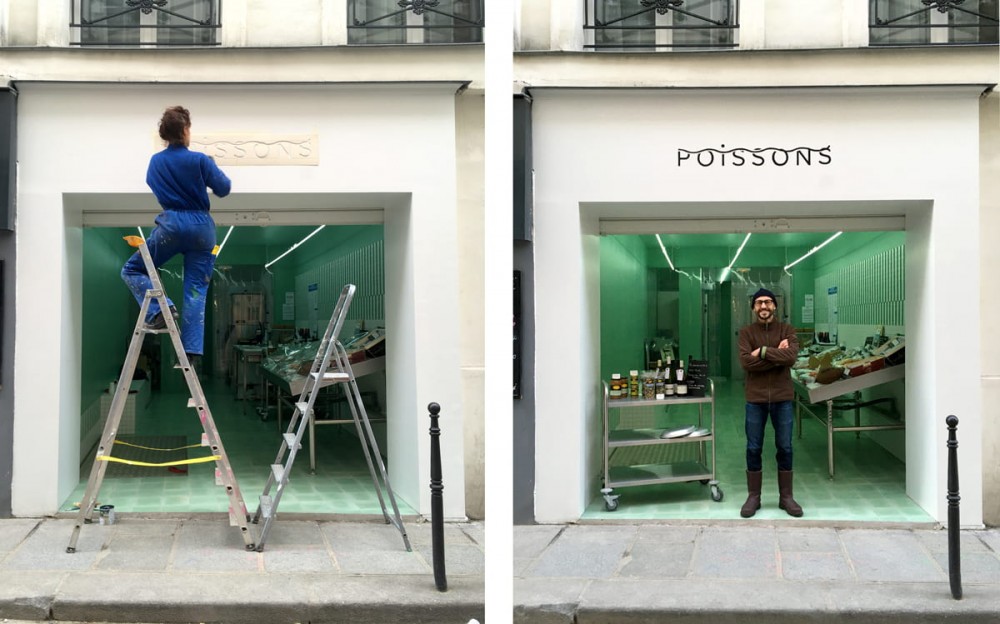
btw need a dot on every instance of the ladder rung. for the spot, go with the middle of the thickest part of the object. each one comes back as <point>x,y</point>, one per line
<point>278,470</point>
<point>191,403</point>
<point>266,506</point>
<point>329,376</point>
<point>303,407</point>
<point>289,439</point>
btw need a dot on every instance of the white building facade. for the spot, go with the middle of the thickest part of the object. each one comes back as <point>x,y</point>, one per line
<point>622,93</point>
<point>391,108</point>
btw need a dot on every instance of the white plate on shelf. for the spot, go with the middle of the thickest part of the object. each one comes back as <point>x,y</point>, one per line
<point>697,433</point>
<point>677,433</point>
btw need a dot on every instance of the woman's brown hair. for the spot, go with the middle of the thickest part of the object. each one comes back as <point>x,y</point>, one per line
<point>175,119</point>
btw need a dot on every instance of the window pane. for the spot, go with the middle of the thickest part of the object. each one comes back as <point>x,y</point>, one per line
<point>104,29</point>
<point>181,21</point>
<point>899,30</point>
<point>627,23</point>
<point>378,24</point>
<point>911,22</point>
<point>696,29</point>
<point>449,22</point>
<point>978,25</point>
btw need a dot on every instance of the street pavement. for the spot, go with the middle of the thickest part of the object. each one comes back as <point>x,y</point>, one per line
<point>197,570</point>
<point>772,572</point>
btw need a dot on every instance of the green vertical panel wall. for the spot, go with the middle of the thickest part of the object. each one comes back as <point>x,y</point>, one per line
<point>109,311</point>
<point>357,256</point>
<point>870,278</point>
<point>691,319</point>
<point>625,304</point>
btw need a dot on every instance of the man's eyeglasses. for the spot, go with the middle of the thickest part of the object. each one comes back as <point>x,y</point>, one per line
<point>763,302</point>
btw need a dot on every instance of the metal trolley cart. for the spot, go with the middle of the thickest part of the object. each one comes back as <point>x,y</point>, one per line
<point>700,469</point>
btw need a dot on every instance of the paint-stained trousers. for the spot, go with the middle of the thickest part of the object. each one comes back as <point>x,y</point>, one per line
<point>191,233</point>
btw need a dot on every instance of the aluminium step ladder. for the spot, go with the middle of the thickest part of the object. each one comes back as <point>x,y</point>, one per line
<point>331,366</point>
<point>224,475</point>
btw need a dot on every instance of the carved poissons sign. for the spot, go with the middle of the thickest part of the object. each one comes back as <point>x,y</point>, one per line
<point>257,149</point>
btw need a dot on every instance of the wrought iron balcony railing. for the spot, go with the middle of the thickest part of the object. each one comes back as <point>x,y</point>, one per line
<point>140,23</point>
<point>414,21</point>
<point>933,22</point>
<point>658,24</point>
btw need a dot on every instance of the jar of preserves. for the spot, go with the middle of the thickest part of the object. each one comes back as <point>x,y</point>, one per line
<point>648,385</point>
<point>616,387</point>
<point>633,384</point>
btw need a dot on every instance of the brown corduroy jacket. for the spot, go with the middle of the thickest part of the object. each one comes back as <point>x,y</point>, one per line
<point>768,379</point>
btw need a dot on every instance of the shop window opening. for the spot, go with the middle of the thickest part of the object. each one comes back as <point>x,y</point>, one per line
<point>682,299</point>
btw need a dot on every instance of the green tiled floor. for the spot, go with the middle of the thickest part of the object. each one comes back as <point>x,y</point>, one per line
<point>341,485</point>
<point>869,483</point>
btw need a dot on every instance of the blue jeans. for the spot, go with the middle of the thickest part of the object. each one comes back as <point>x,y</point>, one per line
<point>187,232</point>
<point>782,420</point>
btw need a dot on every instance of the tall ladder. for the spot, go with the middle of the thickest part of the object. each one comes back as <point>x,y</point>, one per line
<point>224,476</point>
<point>331,366</point>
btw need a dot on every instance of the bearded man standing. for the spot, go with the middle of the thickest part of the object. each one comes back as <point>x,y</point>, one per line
<point>768,349</point>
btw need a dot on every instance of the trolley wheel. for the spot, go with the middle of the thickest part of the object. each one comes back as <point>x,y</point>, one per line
<point>611,505</point>
<point>716,494</point>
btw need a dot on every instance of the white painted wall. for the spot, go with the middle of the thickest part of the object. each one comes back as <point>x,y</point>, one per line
<point>96,139</point>
<point>881,140</point>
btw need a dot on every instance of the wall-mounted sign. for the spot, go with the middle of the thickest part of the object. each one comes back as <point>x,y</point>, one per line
<point>256,149</point>
<point>754,157</point>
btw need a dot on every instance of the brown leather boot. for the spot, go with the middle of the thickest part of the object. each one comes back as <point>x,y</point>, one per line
<point>785,500</point>
<point>753,493</point>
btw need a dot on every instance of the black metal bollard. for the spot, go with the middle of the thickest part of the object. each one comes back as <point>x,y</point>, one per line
<point>954,543</point>
<point>437,501</point>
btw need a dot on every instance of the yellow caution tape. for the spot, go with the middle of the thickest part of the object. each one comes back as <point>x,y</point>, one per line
<point>130,462</point>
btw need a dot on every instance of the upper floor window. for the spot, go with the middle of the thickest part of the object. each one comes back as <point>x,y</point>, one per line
<point>651,24</point>
<point>414,21</point>
<point>146,22</point>
<point>932,22</point>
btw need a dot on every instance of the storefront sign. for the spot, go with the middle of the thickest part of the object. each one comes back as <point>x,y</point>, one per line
<point>257,149</point>
<point>755,157</point>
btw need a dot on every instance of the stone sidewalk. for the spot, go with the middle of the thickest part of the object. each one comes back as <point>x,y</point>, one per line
<point>197,570</point>
<point>750,572</point>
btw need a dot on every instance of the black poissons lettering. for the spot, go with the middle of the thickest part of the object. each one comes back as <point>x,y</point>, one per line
<point>790,157</point>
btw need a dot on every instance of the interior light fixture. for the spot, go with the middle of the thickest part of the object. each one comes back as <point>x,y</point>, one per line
<point>224,239</point>
<point>728,269</point>
<point>295,246</point>
<point>814,250</point>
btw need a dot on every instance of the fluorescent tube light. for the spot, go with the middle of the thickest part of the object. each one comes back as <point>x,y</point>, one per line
<point>665,254</point>
<point>814,250</point>
<point>728,269</point>
<point>295,246</point>
<point>224,239</point>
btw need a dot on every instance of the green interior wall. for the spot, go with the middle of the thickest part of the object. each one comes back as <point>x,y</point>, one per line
<point>108,314</point>
<point>869,270</point>
<point>336,243</point>
<point>691,320</point>
<point>625,304</point>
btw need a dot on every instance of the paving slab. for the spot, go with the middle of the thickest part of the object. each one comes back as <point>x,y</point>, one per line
<point>593,551</point>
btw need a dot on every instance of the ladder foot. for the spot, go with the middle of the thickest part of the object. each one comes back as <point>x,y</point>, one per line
<point>70,550</point>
